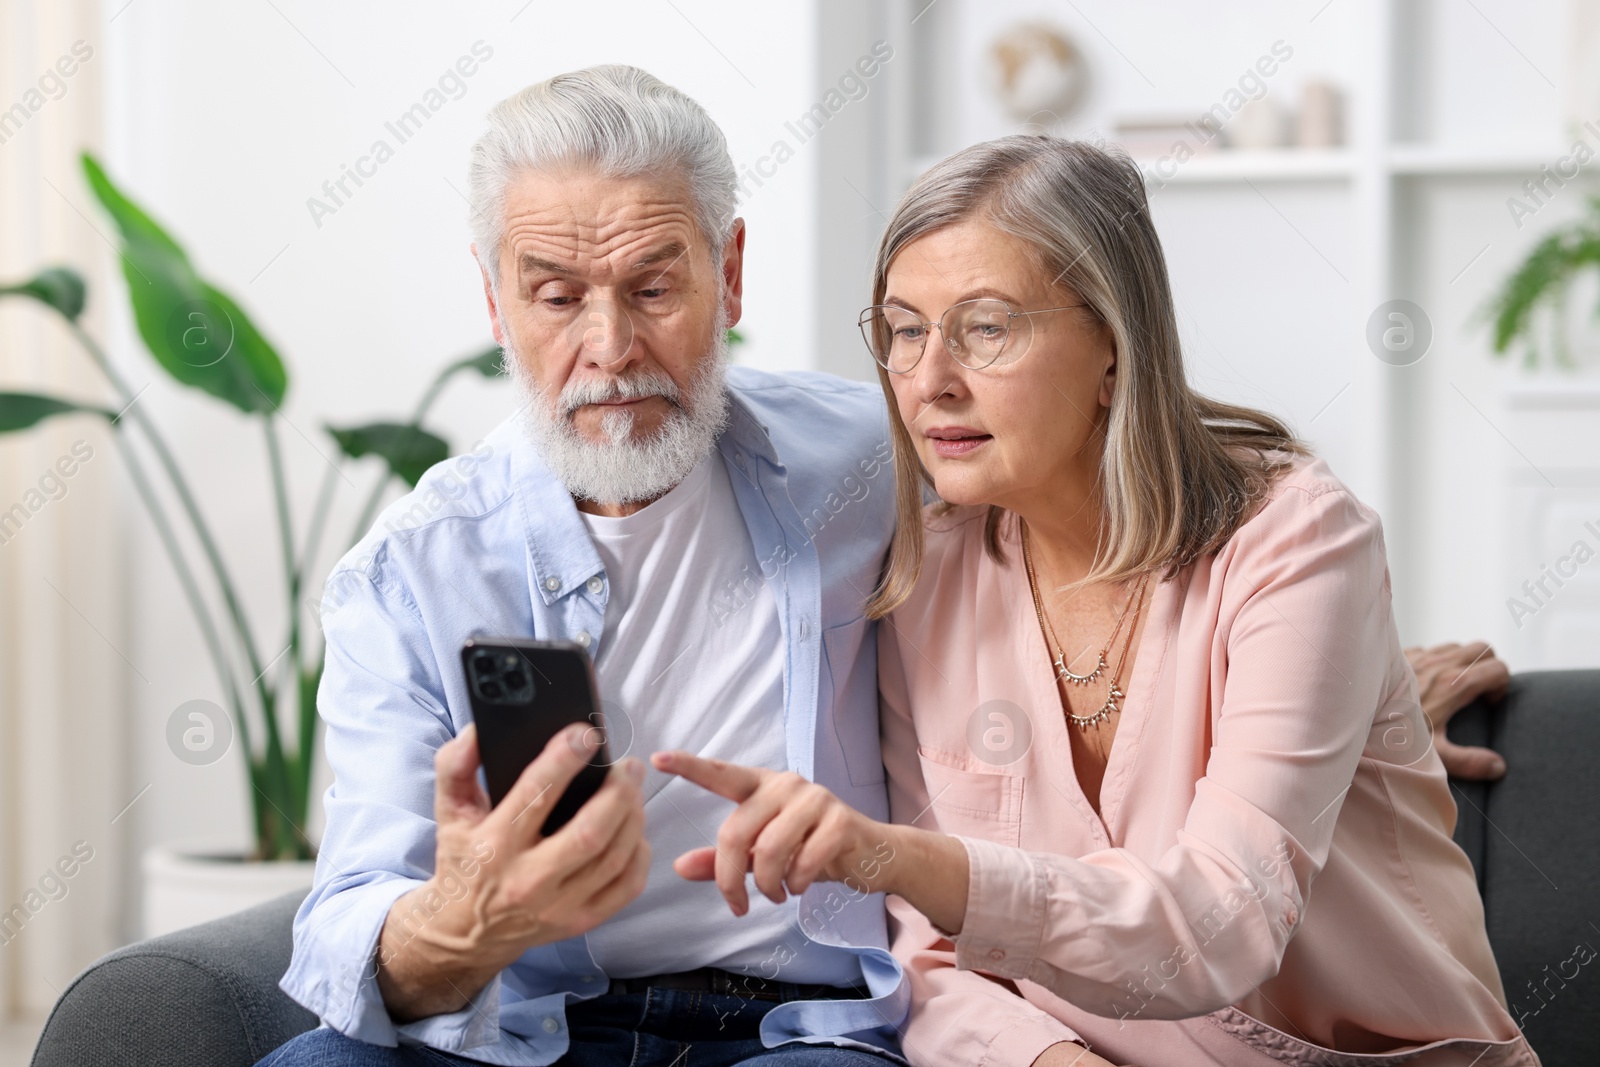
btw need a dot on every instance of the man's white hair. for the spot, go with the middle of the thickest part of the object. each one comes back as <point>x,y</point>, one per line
<point>617,119</point>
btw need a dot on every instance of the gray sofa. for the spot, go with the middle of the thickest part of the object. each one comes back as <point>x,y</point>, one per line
<point>209,996</point>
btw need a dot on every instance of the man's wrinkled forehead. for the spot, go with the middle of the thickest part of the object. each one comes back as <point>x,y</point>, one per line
<point>582,224</point>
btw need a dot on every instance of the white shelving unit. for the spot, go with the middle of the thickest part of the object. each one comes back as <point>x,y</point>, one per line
<point>1265,165</point>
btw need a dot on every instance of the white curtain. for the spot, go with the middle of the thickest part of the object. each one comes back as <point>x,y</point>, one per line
<point>64,684</point>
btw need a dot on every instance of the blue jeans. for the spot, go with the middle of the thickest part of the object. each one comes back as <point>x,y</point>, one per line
<point>658,1028</point>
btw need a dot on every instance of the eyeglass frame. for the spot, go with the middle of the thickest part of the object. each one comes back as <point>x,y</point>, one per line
<point>861,323</point>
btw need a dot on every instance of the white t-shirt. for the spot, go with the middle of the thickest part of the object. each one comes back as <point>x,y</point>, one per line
<point>693,658</point>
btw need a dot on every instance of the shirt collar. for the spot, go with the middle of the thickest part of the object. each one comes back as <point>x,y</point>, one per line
<point>746,432</point>
<point>562,555</point>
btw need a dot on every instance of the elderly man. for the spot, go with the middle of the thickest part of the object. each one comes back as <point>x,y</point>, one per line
<point>709,535</point>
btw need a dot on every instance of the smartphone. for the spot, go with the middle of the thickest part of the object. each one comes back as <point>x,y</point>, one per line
<point>523,693</point>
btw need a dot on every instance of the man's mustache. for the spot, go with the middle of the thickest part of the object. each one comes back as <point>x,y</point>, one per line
<point>636,386</point>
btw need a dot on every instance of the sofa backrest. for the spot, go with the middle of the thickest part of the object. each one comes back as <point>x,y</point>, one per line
<point>1534,840</point>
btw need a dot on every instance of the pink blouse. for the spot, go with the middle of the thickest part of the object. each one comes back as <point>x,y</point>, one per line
<point>1271,741</point>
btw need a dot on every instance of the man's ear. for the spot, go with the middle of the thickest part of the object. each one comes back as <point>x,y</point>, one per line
<point>488,295</point>
<point>733,272</point>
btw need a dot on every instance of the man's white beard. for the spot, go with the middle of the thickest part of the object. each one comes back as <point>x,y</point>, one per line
<point>622,470</point>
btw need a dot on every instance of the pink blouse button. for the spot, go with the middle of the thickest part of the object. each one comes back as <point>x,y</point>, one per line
<point>1291,916</point>
<point>997,954</point>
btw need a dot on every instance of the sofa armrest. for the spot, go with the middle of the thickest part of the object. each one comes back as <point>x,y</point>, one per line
<point>205,996</point>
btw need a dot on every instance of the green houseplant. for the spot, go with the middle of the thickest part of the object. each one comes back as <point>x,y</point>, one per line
<point>1529,309</point>
<point>203,339</point>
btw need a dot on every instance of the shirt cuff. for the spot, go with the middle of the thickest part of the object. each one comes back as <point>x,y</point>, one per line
<point>473,1026</point>
<point>1025,1041</point>
<point>1007,904</point>
<point>334,974</point>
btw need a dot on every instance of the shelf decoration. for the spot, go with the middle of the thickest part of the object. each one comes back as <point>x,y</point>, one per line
<point>1038,73</point>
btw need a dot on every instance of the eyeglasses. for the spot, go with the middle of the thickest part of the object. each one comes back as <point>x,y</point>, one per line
<point>977,334</point>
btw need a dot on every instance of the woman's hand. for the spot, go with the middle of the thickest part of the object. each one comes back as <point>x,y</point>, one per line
<point>788,831</point>
<point>1449,677</point>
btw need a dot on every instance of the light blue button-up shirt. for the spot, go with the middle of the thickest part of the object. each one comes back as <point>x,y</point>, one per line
<point>490,544</point>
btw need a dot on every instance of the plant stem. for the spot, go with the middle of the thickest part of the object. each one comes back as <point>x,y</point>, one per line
<point>274,755</point>
<point>274,762</point>
<point>319,522</point>
<point>186,498</point>
<point>291,572</point>
<point>191,588</point>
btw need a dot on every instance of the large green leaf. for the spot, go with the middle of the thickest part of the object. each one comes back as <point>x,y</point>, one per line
<point>60,287</point>
<point>197,333</point>
<point>268,372</point>
<point>409,450</point>
<point>19,411</point>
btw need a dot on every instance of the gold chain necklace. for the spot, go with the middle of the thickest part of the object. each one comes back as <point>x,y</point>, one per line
<point>1114,693</point>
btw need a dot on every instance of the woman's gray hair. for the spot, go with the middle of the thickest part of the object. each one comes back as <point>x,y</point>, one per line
<point>620,121</point>
<point>1179,471</point>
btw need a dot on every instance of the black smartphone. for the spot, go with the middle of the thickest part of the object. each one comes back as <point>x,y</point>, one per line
<point>523,693</point>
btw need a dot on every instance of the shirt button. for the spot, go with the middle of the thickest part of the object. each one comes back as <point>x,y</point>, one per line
<point>552,584</point>
<point>584,638</point>
<point>1291,916</point>
<point>550,1025</point>
<point>595,585</point>
<point>804,630</point>
<point>588,978</point>
<point>738,459</point>
<point>997,954</point>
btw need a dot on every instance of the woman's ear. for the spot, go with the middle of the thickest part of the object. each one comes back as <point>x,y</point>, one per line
<point>1108,380</point>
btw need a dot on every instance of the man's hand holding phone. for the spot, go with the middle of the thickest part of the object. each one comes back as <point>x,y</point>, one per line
<point>499,887</point>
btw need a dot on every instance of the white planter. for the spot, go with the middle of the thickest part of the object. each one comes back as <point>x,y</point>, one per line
<point>185,884</point>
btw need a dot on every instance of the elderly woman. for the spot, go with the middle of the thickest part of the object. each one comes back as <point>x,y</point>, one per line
<point>1141,684</point>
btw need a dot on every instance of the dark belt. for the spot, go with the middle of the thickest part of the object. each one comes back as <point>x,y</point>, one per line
<point>726,983</point>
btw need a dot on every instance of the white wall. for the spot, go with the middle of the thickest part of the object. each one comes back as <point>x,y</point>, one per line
<point>224,119</point>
